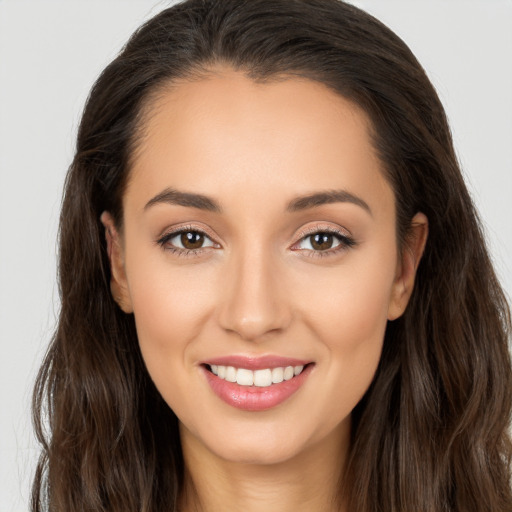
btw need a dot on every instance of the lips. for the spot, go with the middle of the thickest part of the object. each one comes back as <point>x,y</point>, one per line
<point>255,384</point>
<point>262,378</point>
<point>256,363</point>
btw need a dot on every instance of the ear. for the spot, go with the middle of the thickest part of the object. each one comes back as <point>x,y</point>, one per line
<point>118,281</point>
<point>407,266</point>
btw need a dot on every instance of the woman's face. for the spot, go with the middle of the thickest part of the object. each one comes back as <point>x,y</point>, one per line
<point>259,235</point>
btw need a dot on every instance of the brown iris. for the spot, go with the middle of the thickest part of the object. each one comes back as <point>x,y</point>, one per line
<point>192,240</point>
<point>322,241</point>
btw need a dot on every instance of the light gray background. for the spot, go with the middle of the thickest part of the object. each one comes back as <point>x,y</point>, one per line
<point>50,54</point>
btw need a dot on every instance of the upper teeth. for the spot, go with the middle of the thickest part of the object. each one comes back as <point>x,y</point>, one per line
<point>261,378</point>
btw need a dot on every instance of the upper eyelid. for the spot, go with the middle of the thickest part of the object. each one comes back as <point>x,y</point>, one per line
<point>163,241</point>
<point>174,231</point>
<point>344,236</point>
<point>302,233</point>
<point>322,229</point>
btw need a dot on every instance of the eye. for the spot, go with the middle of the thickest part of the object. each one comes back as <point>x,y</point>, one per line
<point>186,240</point>
<point>319,242</point>
<point>324,241</point>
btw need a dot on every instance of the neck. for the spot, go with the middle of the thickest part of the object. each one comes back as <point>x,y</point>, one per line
<point>309,481</point>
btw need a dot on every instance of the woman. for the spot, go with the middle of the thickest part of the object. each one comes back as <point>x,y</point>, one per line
<point>275,291</point>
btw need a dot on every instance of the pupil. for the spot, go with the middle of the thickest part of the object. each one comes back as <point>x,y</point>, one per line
<point>192,240</point>
<point>322,241</point>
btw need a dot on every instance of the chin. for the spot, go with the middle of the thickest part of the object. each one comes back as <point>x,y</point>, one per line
<point>257,442</point>
<point>256,454</point>
<point>252,442</point>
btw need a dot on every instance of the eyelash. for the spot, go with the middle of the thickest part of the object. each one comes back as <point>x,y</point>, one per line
<point>345,242</point>
<point>163,241</point>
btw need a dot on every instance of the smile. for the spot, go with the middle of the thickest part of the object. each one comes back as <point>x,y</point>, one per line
<point>260,378</point>
<point>256,384</point>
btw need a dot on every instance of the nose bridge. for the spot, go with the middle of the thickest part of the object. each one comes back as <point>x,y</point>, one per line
<point>254,299</point>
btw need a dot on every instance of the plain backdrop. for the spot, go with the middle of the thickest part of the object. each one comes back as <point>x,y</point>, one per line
<point>50,54</point>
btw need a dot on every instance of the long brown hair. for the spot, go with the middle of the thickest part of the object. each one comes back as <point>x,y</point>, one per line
<point>431,432</point>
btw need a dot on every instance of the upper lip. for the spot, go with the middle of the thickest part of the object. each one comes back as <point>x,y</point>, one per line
<point>256,362</point>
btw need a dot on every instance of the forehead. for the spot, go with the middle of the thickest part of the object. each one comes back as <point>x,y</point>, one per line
<point>224,131</point>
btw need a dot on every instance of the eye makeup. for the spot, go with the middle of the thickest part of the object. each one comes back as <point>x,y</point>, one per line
<point>187,241</point>
<point>317,241</point>
<point>323,241</point>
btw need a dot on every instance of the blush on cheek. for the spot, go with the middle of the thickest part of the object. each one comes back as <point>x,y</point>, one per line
<point>353,313</point>
<point>352,324</point>
<point>171,301</point>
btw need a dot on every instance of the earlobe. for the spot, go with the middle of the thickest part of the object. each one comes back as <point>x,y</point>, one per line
<point>407,266</point>
<point>118,282</point>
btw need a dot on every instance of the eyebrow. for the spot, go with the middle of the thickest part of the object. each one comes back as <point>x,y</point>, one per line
<point>327,197</point>
<point>172,196</point>
<point>202,202</point>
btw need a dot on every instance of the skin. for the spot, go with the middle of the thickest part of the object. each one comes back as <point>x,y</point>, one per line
<point>259,287</point>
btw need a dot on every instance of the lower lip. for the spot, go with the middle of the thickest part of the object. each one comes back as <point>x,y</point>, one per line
<point>254,398</point>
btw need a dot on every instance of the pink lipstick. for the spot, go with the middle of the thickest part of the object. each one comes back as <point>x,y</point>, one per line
<point>255,383</point>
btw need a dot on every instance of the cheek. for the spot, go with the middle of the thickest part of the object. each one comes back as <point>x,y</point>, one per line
<point>350,306</point>
<point>171,305</point>
<point>171,309</point>
<point>348,314</point>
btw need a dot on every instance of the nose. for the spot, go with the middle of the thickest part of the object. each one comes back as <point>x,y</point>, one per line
<point>254,300</point>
